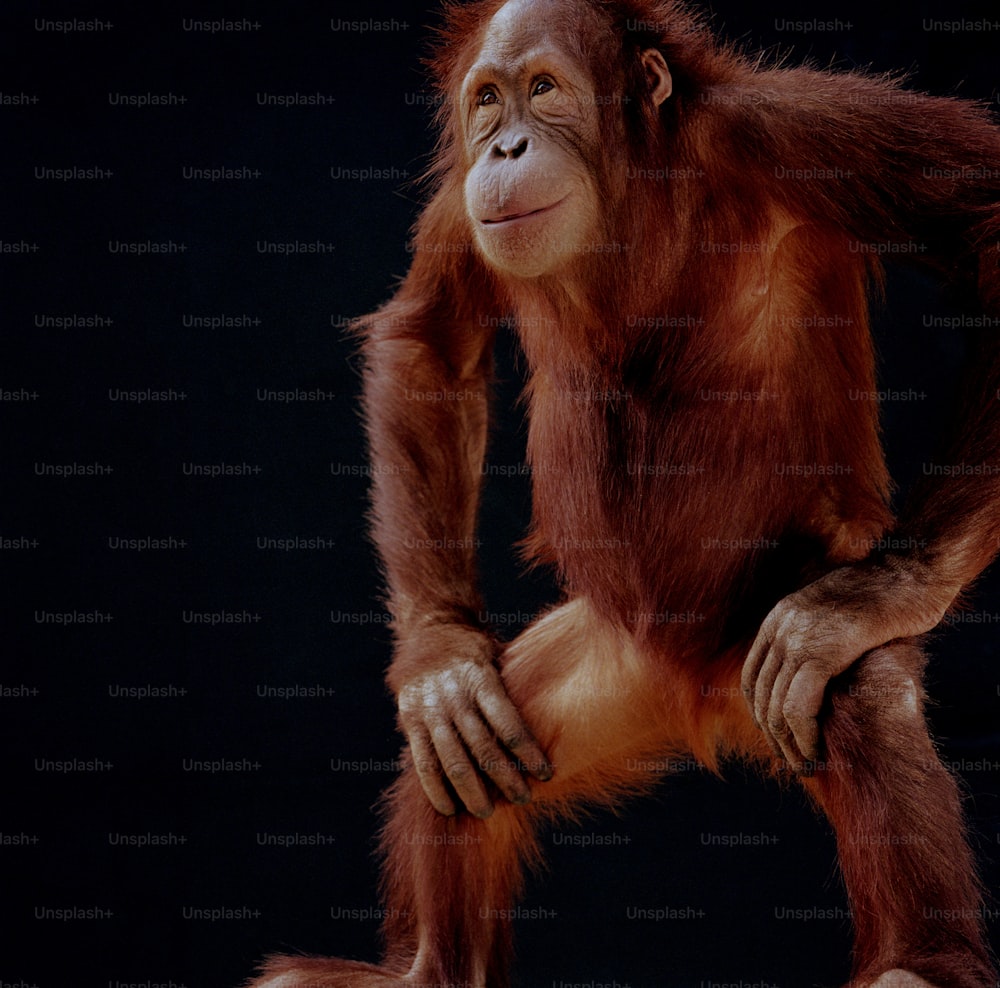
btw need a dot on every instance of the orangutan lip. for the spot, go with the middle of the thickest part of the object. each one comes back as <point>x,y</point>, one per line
<point>521,216</point>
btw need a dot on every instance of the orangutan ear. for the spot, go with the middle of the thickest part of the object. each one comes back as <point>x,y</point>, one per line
<point>661,85</point>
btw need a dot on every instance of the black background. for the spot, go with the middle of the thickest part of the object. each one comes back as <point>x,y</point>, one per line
<point>62,845</point>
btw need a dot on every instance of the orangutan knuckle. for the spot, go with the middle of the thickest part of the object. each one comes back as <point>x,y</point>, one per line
<point>459,772</point>
<point>467,678</point>
<point>514,739</point>
<point>776,620</point>
<point>409,702</point>
<point>799,647</point>
<point>777,725</point>
<point>484,753</point>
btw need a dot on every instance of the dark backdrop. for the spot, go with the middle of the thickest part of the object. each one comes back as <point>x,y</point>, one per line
<point>194,726</point>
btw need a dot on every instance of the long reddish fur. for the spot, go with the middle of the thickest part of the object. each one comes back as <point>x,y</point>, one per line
<point>730,122</point>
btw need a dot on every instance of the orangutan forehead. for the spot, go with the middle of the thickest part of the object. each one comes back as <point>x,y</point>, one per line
<point>521,24</point>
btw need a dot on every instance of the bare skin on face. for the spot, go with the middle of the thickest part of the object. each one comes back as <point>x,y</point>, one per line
<point>530,109</point>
